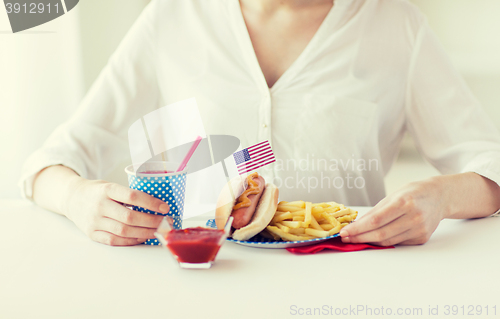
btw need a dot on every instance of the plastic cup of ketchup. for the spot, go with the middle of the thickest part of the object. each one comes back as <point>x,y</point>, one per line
<point>195,247</point>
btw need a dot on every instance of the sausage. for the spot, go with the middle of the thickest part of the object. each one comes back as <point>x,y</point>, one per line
<point>242,216</point>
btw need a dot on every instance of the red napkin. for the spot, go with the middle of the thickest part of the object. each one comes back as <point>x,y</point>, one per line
<point>333,244</point>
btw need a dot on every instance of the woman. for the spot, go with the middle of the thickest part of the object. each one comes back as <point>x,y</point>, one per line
<point>326,82</point>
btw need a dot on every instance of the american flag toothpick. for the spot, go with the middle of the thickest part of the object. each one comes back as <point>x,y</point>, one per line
<point>254,157</point>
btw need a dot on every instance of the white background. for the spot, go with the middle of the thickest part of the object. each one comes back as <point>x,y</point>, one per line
<point>45,72</point>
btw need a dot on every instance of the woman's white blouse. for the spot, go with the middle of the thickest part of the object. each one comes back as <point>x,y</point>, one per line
<point>335,119</point>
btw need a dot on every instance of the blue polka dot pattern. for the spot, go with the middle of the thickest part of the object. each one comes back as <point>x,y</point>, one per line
<point>170,189</point>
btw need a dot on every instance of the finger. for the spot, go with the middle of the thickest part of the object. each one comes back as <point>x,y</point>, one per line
<point>415,241</point>
<point>420,235</point>
<point>106,238</point>
<point>376,218</point>
<point>130,217</point>
<point>394,240</point>
<point>116,228</point>
<point>130,196</point>
<point>394,228</point>
<point>409,237</point>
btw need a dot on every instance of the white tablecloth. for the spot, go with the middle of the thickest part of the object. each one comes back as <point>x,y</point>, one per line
<point>49,269</point>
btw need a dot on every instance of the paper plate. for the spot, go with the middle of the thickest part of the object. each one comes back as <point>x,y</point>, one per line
<point>262,242</point>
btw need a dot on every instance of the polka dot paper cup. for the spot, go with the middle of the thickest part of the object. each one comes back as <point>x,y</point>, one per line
<point>160,180</point>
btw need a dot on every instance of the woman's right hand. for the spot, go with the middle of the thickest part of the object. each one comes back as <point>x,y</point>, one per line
<point>96,208</point>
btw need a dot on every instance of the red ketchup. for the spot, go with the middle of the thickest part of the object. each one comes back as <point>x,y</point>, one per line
<point>194,245</point>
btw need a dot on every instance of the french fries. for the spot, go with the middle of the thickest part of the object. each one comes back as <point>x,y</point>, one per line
<point>308,214</point>
<point>267,234</point>
<point>316,233</point>
<point>280,217</point>
<point>292,224</point>
<point>284,235</point>
<point>300,220</point>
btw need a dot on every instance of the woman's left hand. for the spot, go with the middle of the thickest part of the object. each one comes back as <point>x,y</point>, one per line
<point>410,215</point>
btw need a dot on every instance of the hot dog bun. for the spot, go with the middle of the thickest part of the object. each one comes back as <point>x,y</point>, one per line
<point>226,200</point>
<point>264,212</point>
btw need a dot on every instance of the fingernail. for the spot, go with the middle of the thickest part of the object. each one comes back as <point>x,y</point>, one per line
<point>346,240</point>
<point>164,208</point>
<point>344,233</point>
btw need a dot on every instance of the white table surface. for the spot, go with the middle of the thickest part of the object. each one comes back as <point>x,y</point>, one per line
<point>49,269</point>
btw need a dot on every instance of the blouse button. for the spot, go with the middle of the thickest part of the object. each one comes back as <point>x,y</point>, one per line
<point>264,125</point>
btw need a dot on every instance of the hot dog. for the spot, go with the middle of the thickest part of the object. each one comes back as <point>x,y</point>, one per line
<point>246,204</point>
<point>252,207</point>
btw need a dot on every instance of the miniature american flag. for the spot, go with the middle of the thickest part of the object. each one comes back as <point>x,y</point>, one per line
<point>254,157</point>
